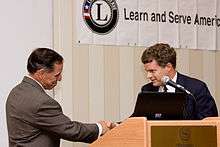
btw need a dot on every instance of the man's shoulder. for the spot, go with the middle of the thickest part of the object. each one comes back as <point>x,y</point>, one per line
<point>188,81</point>
<point>28,94</point>
<point>188,78</point>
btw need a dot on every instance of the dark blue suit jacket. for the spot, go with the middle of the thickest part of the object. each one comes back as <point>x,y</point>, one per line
<point>202,106</point>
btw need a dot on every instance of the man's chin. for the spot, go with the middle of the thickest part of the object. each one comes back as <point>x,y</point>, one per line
<point>156,84</point>
<point>50,87</point>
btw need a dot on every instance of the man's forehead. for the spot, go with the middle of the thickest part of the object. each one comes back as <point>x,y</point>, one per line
<point>152,63</point>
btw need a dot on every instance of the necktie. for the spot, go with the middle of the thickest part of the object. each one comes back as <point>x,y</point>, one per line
<point>165,88</point>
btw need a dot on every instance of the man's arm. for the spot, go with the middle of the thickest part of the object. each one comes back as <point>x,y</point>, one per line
<point>50,118</point>
<point>205,103</point>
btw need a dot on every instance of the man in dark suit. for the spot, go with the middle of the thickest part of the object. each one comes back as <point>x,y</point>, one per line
<point>34,119</point>
<point>160,60</point>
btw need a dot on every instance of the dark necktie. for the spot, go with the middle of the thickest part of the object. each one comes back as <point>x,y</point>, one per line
<point>165,88</point>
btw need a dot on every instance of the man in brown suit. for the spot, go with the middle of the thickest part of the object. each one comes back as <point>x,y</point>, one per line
<point>34,119</point>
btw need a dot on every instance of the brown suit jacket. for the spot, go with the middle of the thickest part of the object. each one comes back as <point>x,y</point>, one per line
<point>34,119</point>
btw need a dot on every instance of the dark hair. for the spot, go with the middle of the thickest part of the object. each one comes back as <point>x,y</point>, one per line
<point>160,52</point>
<point>43,58</point>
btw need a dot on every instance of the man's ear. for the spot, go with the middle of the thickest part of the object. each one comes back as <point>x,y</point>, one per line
<point>169,67</point>
<point>39,73</point>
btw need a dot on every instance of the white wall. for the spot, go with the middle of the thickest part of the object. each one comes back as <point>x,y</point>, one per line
<point>24,25</point>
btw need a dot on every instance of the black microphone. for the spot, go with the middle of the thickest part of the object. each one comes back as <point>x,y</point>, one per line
<point>167,81</point>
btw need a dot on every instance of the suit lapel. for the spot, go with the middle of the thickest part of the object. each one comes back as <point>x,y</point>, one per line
<point>153,88</point>
<point>179,81</point>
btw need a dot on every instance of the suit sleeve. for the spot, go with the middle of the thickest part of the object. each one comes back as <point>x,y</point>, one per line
<point>50,118</point>
<point>205,106</point>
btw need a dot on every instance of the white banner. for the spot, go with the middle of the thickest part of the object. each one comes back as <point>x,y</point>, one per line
<point>191,24</point>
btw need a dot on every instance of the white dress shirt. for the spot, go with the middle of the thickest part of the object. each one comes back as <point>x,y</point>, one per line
<point>169,88</point>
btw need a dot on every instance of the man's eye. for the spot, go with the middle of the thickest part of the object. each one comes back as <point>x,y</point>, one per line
<point>151,71</point>
<point>57,75</point>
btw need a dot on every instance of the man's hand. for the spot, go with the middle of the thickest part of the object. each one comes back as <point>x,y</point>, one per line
<point>106,126</point>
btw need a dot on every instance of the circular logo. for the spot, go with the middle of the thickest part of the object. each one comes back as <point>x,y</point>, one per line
<point>185,134</point>
<point>101,16</point>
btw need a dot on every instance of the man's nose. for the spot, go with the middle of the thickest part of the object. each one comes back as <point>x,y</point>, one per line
<point>149,75</point>
<point>59,78</point>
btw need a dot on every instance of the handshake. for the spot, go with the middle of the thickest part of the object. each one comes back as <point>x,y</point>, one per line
<point>106,126</point>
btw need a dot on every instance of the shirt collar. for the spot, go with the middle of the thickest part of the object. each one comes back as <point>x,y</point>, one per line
<point>175,78</point>
<point>169,88</point>
<point>36,81</point>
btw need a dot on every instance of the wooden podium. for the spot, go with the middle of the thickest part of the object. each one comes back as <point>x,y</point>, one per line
<point>138,132</point>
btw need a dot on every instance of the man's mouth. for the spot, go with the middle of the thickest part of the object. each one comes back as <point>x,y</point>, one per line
<point>153,81</point>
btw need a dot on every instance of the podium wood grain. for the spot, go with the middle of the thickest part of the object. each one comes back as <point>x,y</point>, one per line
<point>136,132</point>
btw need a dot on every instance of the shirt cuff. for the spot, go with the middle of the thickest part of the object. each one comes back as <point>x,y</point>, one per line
<point>100,128</point>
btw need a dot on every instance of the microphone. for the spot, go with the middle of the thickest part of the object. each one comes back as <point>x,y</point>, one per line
<point>167,81</point>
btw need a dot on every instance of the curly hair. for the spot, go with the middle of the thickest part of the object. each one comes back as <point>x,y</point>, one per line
<point>160,52</point>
